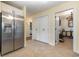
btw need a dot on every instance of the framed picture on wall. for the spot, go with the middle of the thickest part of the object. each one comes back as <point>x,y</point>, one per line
<point>70,20</point>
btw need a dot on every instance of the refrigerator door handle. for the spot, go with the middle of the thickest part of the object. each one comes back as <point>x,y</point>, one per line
<point>15,26</point>
<point>3,26</point>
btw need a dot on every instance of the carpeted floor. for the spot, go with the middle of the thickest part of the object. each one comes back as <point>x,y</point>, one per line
<point>39,49</point>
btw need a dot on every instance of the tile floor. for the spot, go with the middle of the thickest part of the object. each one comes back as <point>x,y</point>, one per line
<point>39,49</point>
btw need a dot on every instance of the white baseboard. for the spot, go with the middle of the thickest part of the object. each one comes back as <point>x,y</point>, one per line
<point>51,44</point>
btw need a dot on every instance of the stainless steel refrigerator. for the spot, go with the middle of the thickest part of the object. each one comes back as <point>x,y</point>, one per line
<point>11,32</point>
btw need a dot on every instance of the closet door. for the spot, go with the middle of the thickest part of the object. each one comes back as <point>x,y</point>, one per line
<point>44,29</point>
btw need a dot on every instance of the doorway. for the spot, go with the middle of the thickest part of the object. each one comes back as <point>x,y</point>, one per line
<point>31,30</point>
<point>64,28</point>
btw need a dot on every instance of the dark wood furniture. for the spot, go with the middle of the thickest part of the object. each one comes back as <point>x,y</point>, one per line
<point>67,34</point>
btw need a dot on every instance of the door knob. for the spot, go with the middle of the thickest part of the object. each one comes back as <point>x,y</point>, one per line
<point>43,29</point>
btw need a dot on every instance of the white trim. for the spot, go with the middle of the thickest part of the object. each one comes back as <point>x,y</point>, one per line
<point>51,44</point>
<point>74,32</point>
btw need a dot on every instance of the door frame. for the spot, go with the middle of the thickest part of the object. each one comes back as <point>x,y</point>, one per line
<point>74,28</point>
<point>56,31</point>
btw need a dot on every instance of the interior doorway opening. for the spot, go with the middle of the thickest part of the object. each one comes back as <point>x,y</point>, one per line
<point>31,30</point>
<point>64,28</point>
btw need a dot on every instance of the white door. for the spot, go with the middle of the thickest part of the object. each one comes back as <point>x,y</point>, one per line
<point>57,29</point>
<point>44,29</point>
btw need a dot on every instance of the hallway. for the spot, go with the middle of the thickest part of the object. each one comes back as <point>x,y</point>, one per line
<point>38,49</point>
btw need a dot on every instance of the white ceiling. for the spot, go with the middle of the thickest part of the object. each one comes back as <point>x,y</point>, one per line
<point>34,6</point>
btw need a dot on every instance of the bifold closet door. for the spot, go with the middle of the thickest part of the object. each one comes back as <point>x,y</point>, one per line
<point>43,29</point>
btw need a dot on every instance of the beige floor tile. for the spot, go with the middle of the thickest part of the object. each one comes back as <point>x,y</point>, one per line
<point>39,49</point>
